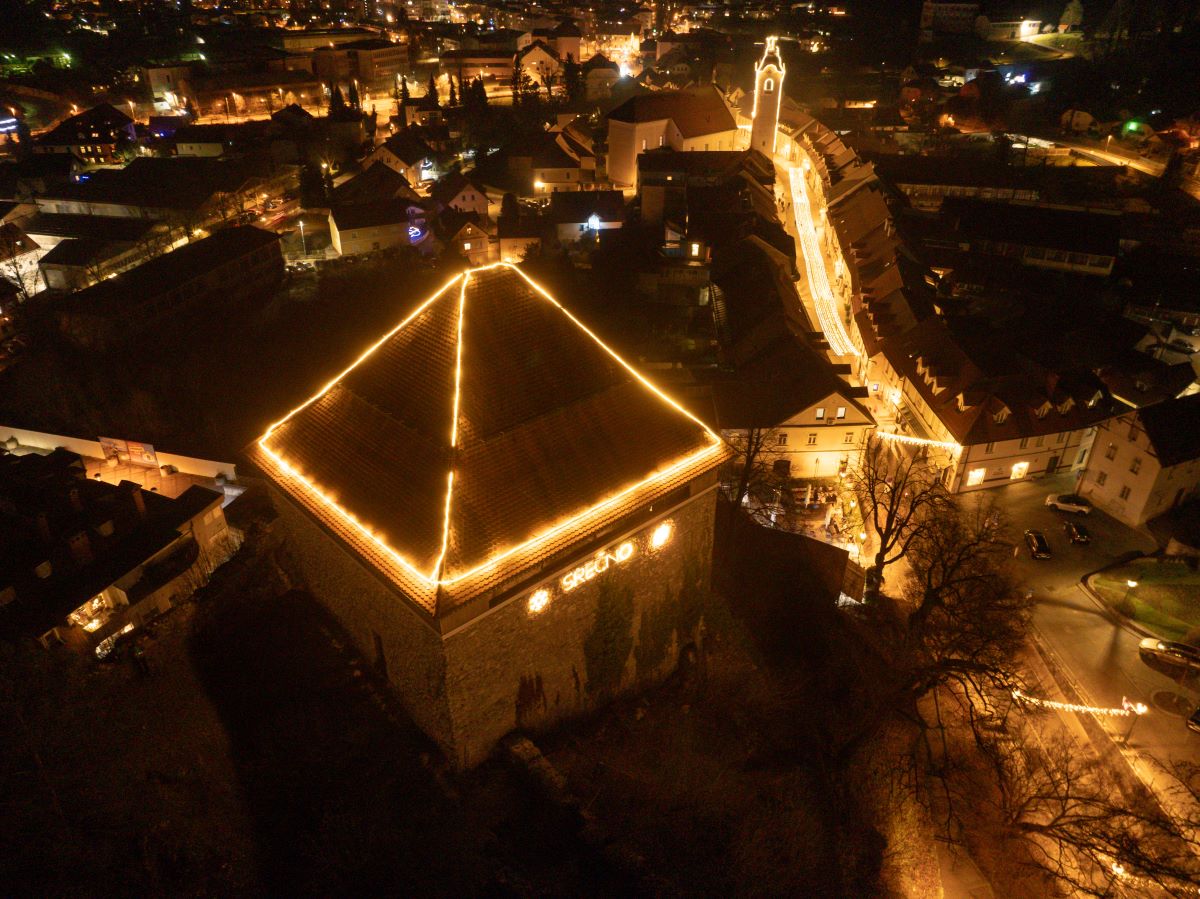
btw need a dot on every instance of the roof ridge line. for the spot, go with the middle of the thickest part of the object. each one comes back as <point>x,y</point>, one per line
<point>438,566</point>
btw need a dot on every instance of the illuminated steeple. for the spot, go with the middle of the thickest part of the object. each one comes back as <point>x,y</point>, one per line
<point>768,93</point>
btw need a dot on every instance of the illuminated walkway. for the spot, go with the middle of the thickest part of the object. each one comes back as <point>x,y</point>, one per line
<point>823,297</point>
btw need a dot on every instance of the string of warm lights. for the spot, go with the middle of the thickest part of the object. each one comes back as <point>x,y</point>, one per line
<point>818,279</point>
<point>432,578</point>
<point>1125,876</point>
<point>918,441</point>
<point>1130,708</point>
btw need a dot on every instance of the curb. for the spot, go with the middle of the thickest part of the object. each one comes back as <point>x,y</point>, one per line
<point>1111,613</point>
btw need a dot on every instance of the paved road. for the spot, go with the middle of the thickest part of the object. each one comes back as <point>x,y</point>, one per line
<point>1099,652</point>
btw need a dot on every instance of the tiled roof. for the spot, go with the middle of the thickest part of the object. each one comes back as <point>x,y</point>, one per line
<point>695,112</point>
<point>484,433</point>
<point>1167,425</point>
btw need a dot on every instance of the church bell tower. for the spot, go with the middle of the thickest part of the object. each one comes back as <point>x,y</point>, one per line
<point>768,94</point>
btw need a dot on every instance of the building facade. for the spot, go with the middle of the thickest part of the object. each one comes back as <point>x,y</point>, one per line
<point>768,94</point>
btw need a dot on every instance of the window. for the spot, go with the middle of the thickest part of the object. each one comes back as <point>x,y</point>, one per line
<point>812,439</point>
<point>660,140</point>
<point>820,413</point>
<point>1060,438</point>
<point>989,448</point>
<point>1124,494</point>
<point>643,143</point>
<point>781,439</point>
<point>1101,477</point>
<point>1024,442</point>
<point>1110,452</point>
<point>1135,466</point>
<point>1041,441</point>
<point>769,86</point>
<point>695,249</point>
<point>975,476</point>
<point>841,411</point>
<point>466,245</point>
<point>849,437</point>
<point>1019,471</point>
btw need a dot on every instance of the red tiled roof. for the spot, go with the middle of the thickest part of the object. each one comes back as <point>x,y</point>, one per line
<point>549,437</point>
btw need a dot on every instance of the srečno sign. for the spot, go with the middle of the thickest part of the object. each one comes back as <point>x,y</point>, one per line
<point>598,565</point>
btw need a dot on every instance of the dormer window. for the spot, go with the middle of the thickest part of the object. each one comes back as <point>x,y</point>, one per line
<point>1001,415</point>
<point>1043,410</point>
<point>1094,400</point>
<point>1066,406</point>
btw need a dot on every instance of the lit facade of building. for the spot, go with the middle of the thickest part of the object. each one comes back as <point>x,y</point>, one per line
<point>509,521</point>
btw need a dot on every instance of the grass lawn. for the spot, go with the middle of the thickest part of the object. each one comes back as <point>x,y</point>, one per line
<point>1166,599</point>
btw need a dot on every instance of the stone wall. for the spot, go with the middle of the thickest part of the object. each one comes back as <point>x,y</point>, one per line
<point>412,649</point>
<point>621,629</point>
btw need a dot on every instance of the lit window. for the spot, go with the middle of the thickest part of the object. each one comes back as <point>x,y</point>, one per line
<point>1135,466</point>
<point>875,387</point>
<point>1124,494</point>
<point>975,476</point>
<point>769,86</point>
<point>1019,471</point>
<point>695,249</point>
<point>1101,477</point>
<point>812,439</point>
<point>841,411</point>
<point>466,245</point>
<point>820,413</point>
<point>643,143</point>
<point>781,439</point>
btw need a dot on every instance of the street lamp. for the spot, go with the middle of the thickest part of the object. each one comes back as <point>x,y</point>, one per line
<point>303,245</point>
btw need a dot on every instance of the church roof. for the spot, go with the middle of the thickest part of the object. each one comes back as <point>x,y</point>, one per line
<point>487,432</point>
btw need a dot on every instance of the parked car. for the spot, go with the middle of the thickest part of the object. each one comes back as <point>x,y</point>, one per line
<point>1193,722</point>
<point>1177,655</point>
<point>1069,502</point>
<point>1076,532</point>
<point>1039,546</point>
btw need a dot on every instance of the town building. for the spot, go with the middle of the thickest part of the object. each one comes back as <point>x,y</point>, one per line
<point>173,292</point>
<point>365,227</point>
<point>490,501</point>
<point>1146,462</point>
<point>579,215</point>
<point>85,561</point>
<point>406,154</point>
<point>599,74</point>
<point>460,192</point>
<point>693,119</point>
<point>96,136</point>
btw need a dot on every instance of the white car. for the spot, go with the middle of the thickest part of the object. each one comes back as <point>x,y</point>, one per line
<point>1069,502</point>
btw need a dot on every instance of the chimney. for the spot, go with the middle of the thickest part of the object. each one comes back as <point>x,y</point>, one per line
<point>80,546</point>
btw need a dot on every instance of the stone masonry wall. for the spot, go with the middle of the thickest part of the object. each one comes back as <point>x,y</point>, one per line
<point>365,607</point>
<point>621,629</point>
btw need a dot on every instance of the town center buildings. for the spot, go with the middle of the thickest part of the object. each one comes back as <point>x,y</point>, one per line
<point>505,516</point>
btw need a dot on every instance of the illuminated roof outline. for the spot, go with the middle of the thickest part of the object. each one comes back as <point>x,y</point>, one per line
<point>517,466</point>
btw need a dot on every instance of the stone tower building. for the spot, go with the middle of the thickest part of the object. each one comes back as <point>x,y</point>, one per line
<point>768,94</point>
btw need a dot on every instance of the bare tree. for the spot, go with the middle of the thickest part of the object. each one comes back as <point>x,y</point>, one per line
<point>17,265</point>
<point>898,493</point>
<point>753,470</point>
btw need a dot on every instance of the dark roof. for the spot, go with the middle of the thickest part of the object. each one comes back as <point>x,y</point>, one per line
<point>567,28</point>
<point>82,251</point>
<point>548,424</point>
<point>1096,233</point>
<point>1174,429</point>
<point>379,182</point>
<point>695,112</point>
<point>371,44</point>
<point>571,206</point>
<point>166,271</point>
<point>706,165</point>
<point>450,186</point>
<point>100,227</point>
<point>161,183</point>
<point>103,119</point>
<point>600,61</point>
<point>408,148</point>
<point>370,215</point>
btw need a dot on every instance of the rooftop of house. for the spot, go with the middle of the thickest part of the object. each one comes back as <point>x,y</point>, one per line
<point>378,182</point>
<point>46,501</point>
<point>448,187</point>
<point>377,214</point>
<point>82,251</point>
<point>167,271</point>
<point>487,432</point>
<point>103,120</point>
<point>695,111</point>
<point>1173,427</point>
<point>69,225</point>
<point>571,206</point>
<point>408,148</point>
<point>704,165</point>
<point>1096,233</point>
<point>185,183</point>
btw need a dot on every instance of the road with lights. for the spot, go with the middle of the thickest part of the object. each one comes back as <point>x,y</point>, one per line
<point>824,300</point>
